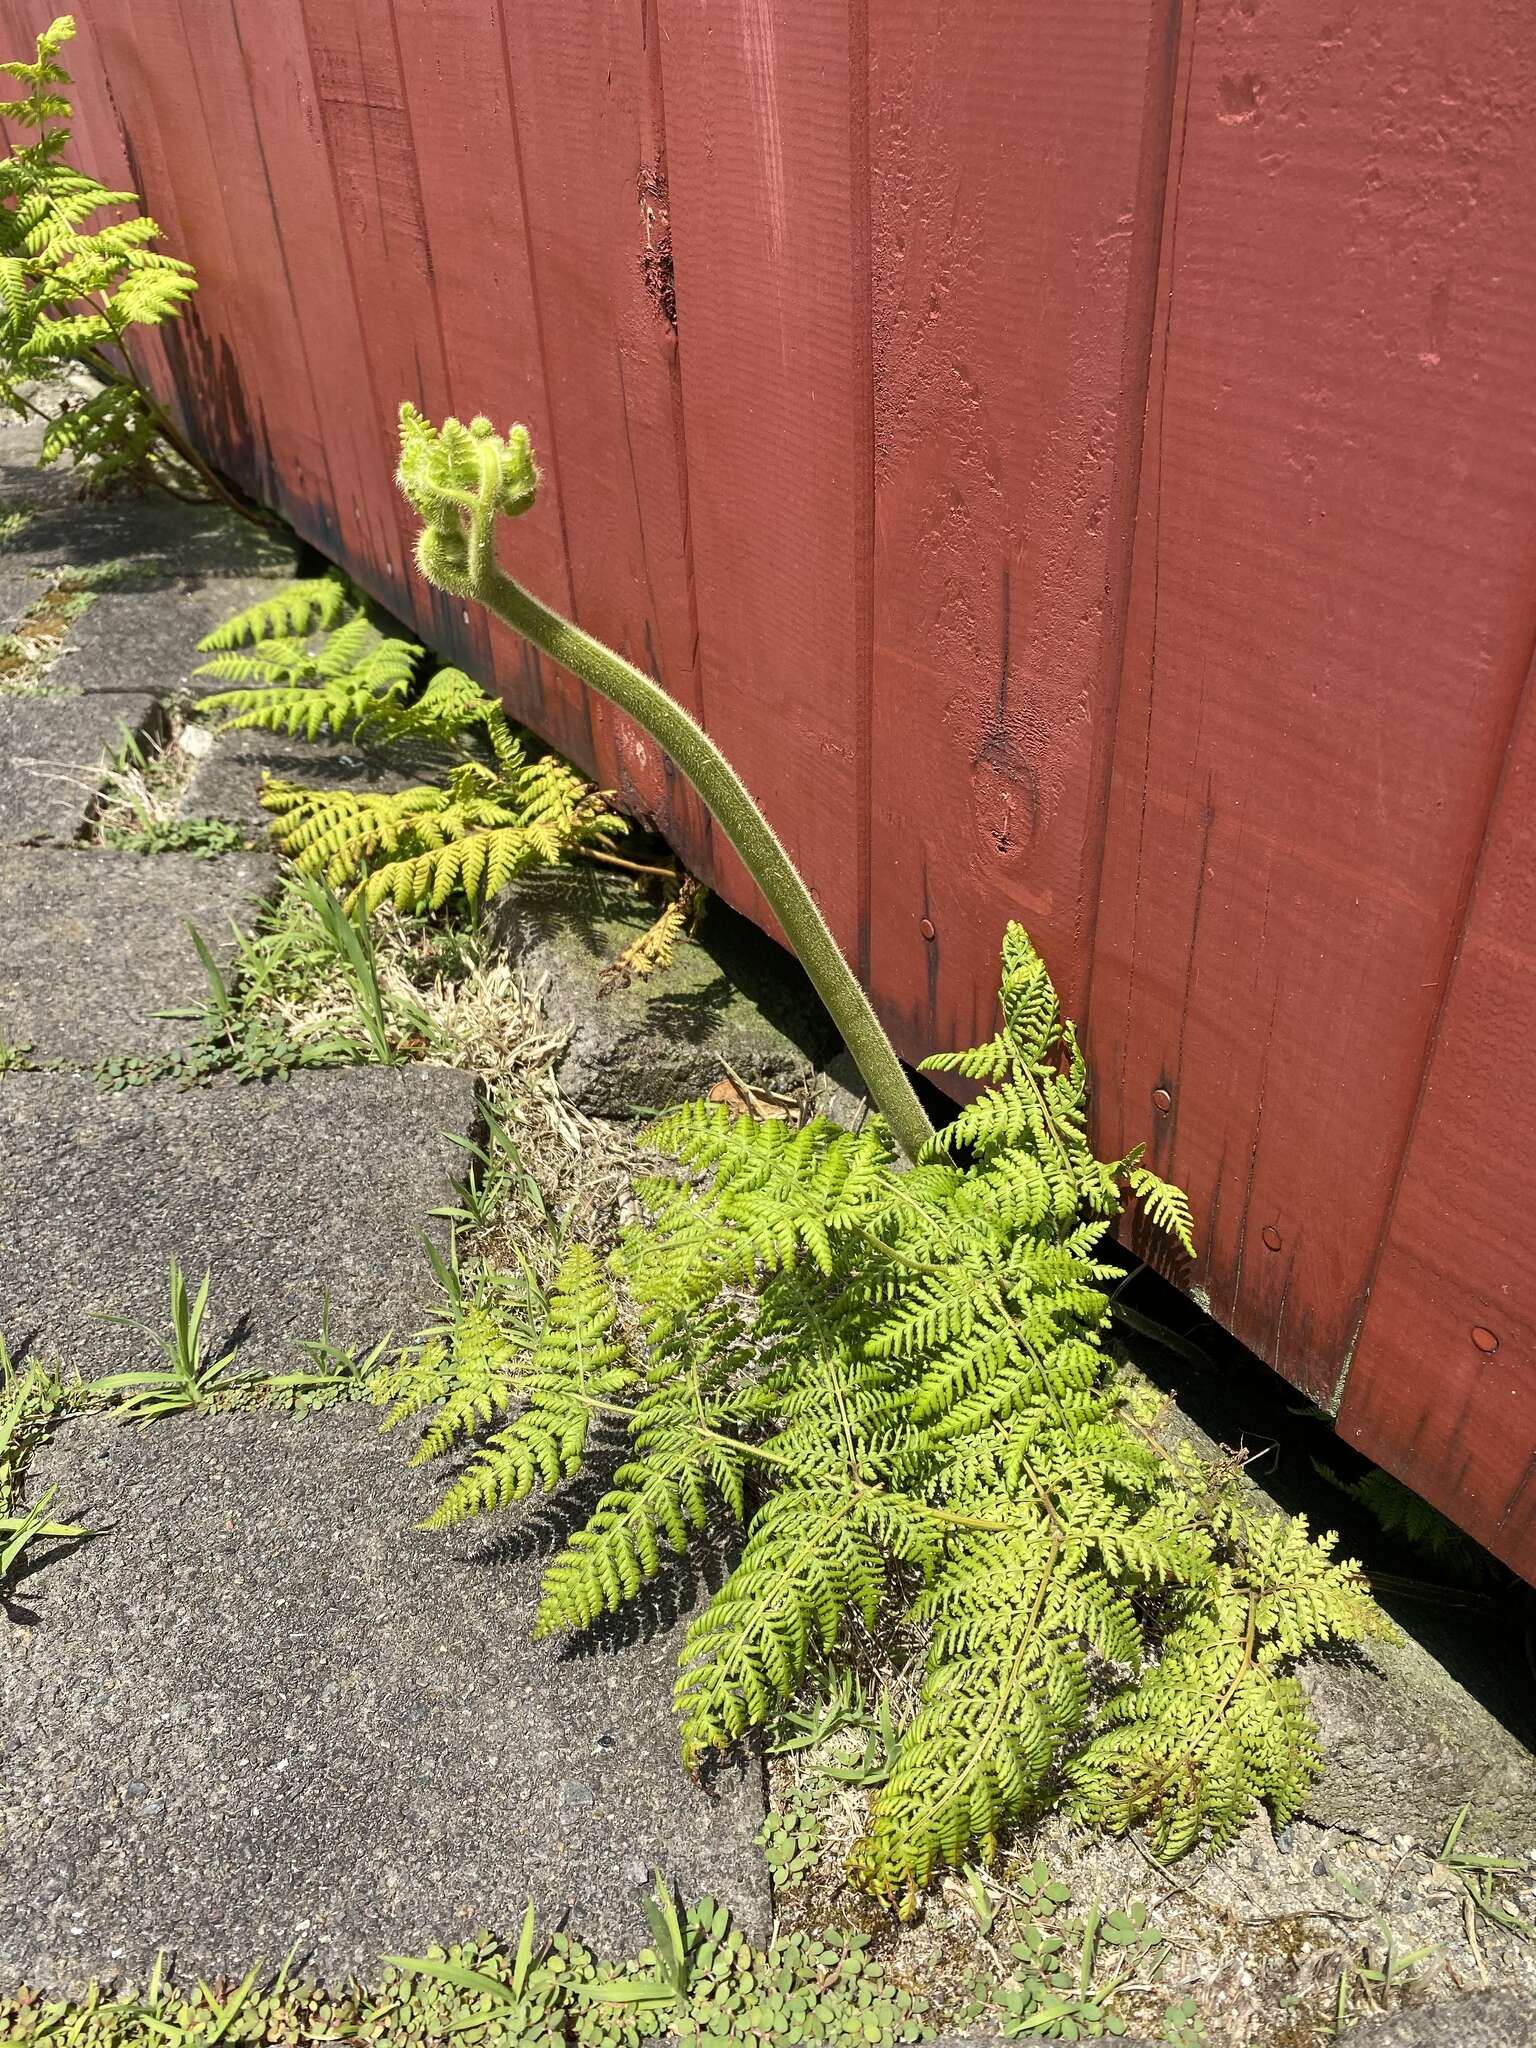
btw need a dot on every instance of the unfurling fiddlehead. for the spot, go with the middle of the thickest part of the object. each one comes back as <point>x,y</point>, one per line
<point>461,480</point>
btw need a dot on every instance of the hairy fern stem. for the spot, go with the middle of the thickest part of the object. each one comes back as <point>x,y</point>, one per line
<point>460,500</point>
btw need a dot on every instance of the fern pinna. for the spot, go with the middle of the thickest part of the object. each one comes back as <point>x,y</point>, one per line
<point>896,1382</point>
<point>309,662</point>
<point>71,293</point>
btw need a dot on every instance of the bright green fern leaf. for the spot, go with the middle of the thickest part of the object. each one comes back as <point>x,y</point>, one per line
<point>896,1382</point>
<point>308,662</point>
<point>71,293</point>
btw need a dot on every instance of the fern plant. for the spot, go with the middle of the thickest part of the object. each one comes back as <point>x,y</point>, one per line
<point>896,1383</point>
<point>73,294</point>
<point>462,481</point>
<point>308,662</point>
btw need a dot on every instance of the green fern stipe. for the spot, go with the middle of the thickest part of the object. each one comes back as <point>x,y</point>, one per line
<point>308,662</point>
<point>895,1383</point>
<point>461,480</point>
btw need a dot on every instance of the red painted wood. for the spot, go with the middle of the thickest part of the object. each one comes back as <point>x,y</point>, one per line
<point>769,190</point>
<point>1330,622</point>
<point>217,371</point>
<point>1425,1396</point>
<point>1012,305</point>
<point>466,263</point>
<point>590,126</point>
<point>1093,480</point>
<point>273,91</point>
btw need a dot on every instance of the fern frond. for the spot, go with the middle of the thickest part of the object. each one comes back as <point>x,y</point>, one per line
<point>576,1370</point>
<point>808,1559</point>
<point>896,1380</point>
<point>72,293</point>
<point>1164,1205</point>
<point>651,952</point>
<point>295,613</point>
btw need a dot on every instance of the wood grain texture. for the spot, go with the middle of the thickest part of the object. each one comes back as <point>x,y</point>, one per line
<point>1092,479</point>
<point>1329,627</point>
<point>1011,313</point>
<point>769,192</point>
<point>592,151</point>
<point>1458,1270</point>
<point>466,222</point>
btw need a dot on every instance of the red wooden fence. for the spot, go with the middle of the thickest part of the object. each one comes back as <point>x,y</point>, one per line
<point>1092,480</point>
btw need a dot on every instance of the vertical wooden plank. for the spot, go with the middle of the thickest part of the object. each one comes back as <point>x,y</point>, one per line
<point>588,93</point>
<point>1443,1386</point>
<point>356,518</point>
<point>381,273</point>
<point>217,374</point>
<point>127,64</point>
<point>259,380</point>
<point>1330,620</point>
<point>458,217</point>
<point>768,189</point>
<point>1019,158</point>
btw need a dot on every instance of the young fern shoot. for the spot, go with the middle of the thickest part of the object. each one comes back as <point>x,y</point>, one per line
<point>462,480</point>
<point>896,1383</point>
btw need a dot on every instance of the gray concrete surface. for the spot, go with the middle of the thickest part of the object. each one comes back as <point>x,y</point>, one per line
<point>1483,2019</point>
<point>93,944</point>
<point>53,754</point>
<point>262,1709</point>
<point>226,783</point>
<point>292,1192</point>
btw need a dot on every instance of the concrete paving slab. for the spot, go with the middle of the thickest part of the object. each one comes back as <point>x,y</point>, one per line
<point>53,752</point>
<point>161,536</point>
<point>93,943</point>
<point>142,633</point>
<point>264,1710</point>
<point>164,550</point>
<point>291,1192</point>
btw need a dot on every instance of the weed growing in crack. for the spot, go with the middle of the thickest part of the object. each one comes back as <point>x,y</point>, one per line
<point>32,1400</point>
<point>697,1979</point>
<point>1481,1879</point>
<point>188,1379</point>
<point>29,652</point>
<point>137,809</point>
<point>16,1055</point>
<point>305,988</point>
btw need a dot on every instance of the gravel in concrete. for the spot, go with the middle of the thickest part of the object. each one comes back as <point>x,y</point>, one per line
<point>93,944</point>
<point>731,1001</point>
<point>291,1192</point>
<point>262,1709</point>
<point>53,753</point>
<point>1487,2019</point>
